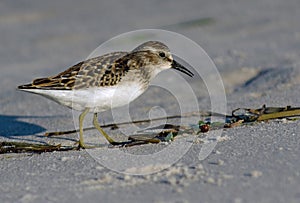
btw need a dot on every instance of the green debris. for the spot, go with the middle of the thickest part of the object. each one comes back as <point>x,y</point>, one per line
<point>169,137</point>
<point>243,115</point>
<point>21,147</point>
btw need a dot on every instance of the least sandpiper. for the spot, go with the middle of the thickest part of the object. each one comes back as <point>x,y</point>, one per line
<point>105,82</point>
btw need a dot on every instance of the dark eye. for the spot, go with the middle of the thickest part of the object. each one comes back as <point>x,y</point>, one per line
<point>162,54</point>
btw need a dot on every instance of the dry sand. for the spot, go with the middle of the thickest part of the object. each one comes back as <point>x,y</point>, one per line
<point>255,46</point>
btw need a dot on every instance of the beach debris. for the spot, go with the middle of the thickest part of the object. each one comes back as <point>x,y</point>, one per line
<point>168,132</point>
<point>22,147</point>
<point>203,126</point>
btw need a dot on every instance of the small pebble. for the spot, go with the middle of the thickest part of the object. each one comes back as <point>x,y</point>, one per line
<point>254,174</point>
<point>204,128</point>
<point>65,158</point>
<point>210,180</point>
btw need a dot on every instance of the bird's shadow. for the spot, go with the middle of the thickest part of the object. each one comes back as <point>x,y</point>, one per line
<point>13,128</point>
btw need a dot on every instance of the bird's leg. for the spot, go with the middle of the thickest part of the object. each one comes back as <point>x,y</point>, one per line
<point>81,118</point>
<point>109,139</point>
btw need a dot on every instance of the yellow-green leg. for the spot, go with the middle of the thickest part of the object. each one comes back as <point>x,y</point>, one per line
<point>81,118</point>
<point>97,126</point>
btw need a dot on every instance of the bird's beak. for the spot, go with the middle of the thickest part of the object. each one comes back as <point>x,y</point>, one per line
<point>181,68</point>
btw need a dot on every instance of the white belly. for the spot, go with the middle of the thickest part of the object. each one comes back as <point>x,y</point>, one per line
<point>97,99</point>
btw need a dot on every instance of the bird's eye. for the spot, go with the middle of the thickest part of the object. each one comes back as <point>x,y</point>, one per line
<point>162,54</point>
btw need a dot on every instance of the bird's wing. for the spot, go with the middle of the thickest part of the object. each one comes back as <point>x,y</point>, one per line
<point>94,72</point>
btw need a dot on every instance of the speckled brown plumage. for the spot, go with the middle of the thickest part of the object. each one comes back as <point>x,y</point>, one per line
<point>106,70</point>
<point>98,71</point>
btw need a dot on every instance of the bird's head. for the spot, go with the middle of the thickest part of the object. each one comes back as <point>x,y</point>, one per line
<point>157,56</point>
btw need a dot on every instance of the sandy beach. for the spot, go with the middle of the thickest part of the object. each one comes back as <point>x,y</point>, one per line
<point>255,46</point>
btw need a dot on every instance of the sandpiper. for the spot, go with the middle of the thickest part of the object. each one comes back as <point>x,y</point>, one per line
<point>105,82</point>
